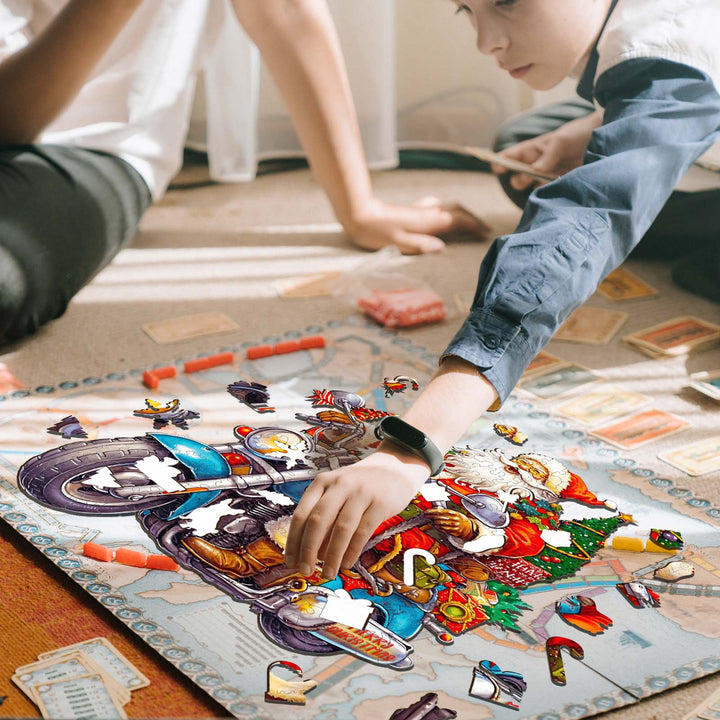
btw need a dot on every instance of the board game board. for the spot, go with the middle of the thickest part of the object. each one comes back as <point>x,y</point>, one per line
<point>225,645</point>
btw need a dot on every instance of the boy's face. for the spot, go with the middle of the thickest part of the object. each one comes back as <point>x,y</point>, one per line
<point>537,41</point>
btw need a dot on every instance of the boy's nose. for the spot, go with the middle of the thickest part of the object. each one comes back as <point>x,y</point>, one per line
<point>489,40</point>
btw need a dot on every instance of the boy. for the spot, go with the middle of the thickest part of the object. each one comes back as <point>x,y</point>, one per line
<point>653,68</point>
<point>96,98</point>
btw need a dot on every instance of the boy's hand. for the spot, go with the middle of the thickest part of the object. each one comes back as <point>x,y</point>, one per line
<point>341,509</point>
<point>413,229</point>
<point>556,153</point>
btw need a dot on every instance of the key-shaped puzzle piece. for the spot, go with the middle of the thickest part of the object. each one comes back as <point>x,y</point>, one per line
<point>553,648</point>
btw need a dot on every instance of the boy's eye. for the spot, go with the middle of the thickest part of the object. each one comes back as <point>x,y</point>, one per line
<point>462,9</point>
<point>503,3</point>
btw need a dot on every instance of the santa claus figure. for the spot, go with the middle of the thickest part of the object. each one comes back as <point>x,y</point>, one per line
<point>486,483</point>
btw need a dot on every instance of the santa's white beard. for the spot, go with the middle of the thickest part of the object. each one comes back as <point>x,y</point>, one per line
<point>485,471</point>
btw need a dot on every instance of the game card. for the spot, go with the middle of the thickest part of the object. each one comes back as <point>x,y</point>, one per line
<point>639,429</point>
<point>700,458</point>
<point>559,381</point>
<point>73,664</point>
<point>81,697</point>
<point>621,284</point>
<point>707,383</point>
<point>189,326</point>
<point>542,361</point>
<point>107,657</point>
<point>591,325</point>
<point>675,337</point>
<point>602,405</point>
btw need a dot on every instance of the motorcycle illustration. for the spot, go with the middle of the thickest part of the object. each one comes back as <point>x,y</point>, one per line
<point>112,477</point>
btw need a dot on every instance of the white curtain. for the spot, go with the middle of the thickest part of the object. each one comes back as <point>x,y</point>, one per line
<point>415,76</point>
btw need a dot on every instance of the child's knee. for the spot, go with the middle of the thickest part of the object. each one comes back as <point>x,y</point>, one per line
<point>13,291</point>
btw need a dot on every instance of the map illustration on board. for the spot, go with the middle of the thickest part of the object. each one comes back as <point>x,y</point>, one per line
<point>457,594</point>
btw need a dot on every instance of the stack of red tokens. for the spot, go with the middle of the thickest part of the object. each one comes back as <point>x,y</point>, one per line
<point>403,308</point>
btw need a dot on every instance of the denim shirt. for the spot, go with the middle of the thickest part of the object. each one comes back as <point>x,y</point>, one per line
<point>659,117</point>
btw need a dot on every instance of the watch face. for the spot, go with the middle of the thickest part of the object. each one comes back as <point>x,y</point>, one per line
<point>398,429</point>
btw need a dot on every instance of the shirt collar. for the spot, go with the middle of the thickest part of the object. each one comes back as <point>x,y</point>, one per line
<point>587,78</point>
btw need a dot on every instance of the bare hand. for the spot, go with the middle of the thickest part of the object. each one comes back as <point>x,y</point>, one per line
<point>413,229</point>
<point>555,153</point>
<point>341,509</point>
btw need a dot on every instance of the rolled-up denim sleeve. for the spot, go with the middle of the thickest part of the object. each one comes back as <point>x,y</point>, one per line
<point>660,116</point>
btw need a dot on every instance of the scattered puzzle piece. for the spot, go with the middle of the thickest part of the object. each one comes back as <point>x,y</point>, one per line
<point>553,649</point>
<point>667,540</point>
<point>398,384</point>
<point>253,394</point>
<point>490,683</point>
<point>582,613</point>
<point>638,595</point>
<point>291,692</point>
<point>511,434</point>
<point>165,414</point>
<point>69,427</point>
<point>674,570</point>
<point>426,708</point>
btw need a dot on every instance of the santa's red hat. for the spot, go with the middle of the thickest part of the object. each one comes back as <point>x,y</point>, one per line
<point>578,490</point>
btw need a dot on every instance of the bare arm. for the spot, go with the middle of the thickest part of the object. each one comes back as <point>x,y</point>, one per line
<point>300,48</point>
<point>38,82</point>
<point>341,509</point>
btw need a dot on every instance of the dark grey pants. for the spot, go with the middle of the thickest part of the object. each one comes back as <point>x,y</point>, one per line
<point>65,212</point>
<point>687,230</point>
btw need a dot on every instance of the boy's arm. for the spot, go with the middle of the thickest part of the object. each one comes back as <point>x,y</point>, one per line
<point>299,45</point>
<point>37,82</point>
<point>341,509</point>
<point>659,118</point>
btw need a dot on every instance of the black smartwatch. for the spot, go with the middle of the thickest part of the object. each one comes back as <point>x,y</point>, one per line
<point>406,436</point>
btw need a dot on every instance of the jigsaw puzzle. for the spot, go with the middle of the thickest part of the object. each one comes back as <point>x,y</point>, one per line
<point>509,532</point>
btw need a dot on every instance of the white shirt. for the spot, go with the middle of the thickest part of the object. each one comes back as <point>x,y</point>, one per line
<point>137,102</point>
<point>684,31</point>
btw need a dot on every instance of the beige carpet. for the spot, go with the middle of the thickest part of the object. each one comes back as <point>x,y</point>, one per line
<point>222,248</point>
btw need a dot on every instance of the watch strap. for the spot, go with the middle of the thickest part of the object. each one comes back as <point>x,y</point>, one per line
<point>408,437</point>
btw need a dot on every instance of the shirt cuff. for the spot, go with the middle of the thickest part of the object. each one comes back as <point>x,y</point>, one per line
<point>497,347</point>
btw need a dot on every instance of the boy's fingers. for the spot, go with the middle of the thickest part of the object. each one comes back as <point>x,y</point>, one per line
<point>310,497</point>
<point>317,526</point>
<point>418,243</point>
<point>520,181</point>
<point>343,531</point>
<point>428,201</point>
<point>463,219</point>
<point>528,152</point>
<point>370,520</point>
